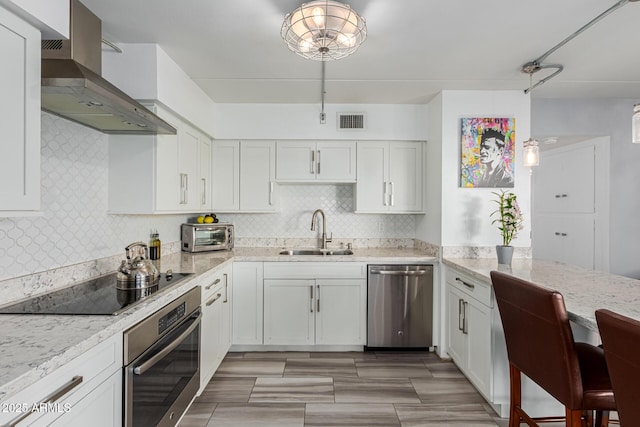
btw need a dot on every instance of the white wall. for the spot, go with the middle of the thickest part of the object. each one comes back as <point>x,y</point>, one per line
<point>604,117</point>
<point>302,121</point>
<point>51,17</point>
<point>466,219</point>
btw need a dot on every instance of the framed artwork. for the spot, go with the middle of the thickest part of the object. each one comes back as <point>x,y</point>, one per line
<point>487,153</point>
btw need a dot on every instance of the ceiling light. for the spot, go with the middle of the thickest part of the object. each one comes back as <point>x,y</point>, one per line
<point>635,125</point>
<point>324,30</point>
<point>531,153</point>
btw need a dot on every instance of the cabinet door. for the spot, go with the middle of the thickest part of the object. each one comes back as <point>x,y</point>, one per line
<point>225,175</point>
<point>204,169</point>
<point>568,238</point>
<point>455,326</point>
<point>340,311</point>
<point>336,161</point>
<point>247,303</point>
<point>372,173</point>
<point>296,161</point>
<point>19,114</point>
<point>257,176</point>
<point>478,319</point>
<point>225,325</point>
<point>101,407</point>
<point>189,145</point>
<point>289,311</point>
<point>405,176</point>
<point>565,181</point>
<point>167,169</point>
<point>211,335</point>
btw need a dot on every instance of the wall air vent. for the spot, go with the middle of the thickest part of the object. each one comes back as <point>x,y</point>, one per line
<point>351,121</point>
<point>51,44</point>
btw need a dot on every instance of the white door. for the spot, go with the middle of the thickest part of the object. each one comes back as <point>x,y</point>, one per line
<point>340,311</point>
<point>225,176</point>
<point>372,173</point>
<point>478,319</point>
<point>405,176</point>
<point>247,303</point>
<point>189,145</point>
<point>225,325</point>
<point>204,157</point>
<point>296,161</point>
<point>455,326</point>
<point>211,335</point>
<point>566,238</point>
<point>257,176</point>
<point>289,311</point>
<point>336,161</point>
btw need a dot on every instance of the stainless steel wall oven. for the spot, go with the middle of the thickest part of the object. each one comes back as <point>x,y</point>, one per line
<point>162,355</point>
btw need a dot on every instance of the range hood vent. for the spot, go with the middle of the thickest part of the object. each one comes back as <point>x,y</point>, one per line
<point>73,88</point>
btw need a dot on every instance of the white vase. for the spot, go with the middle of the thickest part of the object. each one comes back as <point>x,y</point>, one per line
<point>505,254</point>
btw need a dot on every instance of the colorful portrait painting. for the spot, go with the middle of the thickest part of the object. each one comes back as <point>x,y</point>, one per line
<point>487,152</point>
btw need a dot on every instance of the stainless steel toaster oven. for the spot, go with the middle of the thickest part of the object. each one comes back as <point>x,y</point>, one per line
<point>207,237</point>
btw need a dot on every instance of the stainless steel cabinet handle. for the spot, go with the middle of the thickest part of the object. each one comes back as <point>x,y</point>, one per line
<point>311,296</point>
<point>558,233</point>
<point>460,318</point>
<point>204,191</point>
<point>313,161</point>
<point>318,301</point>
<point>391,193</point>
<point>465,324</point>
<point>226,288</point>
<point>468,285</point>
<point>139,370</point>
<point>318,167</point>
<point>400,273</point>
<point>214,299</point>
<point>270,192</point>
<point>215,282</point>
<point>56,395</point>
<point>384,194</point>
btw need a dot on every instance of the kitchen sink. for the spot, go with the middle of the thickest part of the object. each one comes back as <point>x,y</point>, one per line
<point>316,252</point>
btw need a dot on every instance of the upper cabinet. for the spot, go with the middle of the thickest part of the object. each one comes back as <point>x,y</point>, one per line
<point>19,115</point>
<point>308,161</point>
<point>160,173</point>
<point>389,177</point>
<point>51,17</point>
<point>243,175</point>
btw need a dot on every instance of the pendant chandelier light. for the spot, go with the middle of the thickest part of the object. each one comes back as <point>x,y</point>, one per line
<point>531,153</point>
<point>324,30</point>
<point>635,124</point>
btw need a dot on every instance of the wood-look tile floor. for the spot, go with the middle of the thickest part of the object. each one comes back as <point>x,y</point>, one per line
<point>282,389</point>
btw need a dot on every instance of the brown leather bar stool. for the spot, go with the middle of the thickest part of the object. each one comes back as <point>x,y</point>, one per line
<point>540,345</point>
<point>621,341</point>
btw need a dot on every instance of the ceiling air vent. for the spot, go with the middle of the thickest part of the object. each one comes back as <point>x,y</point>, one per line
<point>351,121</point>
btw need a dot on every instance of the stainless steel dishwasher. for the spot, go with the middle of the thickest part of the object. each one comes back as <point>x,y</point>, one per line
<point>400,306</point>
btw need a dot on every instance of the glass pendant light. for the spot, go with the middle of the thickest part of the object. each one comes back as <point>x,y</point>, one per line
<point>635,125</point>
<point>531,153</point>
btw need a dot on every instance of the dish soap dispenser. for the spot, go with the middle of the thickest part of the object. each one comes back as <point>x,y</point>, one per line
<point>154,245</point>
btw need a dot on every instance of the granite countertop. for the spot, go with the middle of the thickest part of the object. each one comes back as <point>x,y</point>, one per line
<point>35,345</point>
<point>584,291</point>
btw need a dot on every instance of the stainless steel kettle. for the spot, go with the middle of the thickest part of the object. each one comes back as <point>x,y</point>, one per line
<point>137,271</point>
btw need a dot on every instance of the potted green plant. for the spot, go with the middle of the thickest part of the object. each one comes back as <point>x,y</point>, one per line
<point>509,221</point>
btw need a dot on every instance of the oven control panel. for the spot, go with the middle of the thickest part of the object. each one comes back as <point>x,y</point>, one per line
<point>171,318</point>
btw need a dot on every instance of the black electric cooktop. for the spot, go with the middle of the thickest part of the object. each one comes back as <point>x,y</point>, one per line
<point>95,297</point>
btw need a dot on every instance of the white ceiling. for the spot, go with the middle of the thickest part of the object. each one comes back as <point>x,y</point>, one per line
<point>415,48</point>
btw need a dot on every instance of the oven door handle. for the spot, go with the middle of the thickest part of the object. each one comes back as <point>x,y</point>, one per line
<point>139,370</point>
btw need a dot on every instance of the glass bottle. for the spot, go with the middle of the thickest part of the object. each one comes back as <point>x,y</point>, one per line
<point>154,245</point>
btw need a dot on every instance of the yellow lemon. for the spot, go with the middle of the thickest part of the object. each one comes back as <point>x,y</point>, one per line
<point>208,220</point>
<point>200,219</point>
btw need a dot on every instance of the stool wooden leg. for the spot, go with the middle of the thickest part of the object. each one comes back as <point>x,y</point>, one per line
<point>602,418</point>
<point>516,396</point>
<point>575,418</point>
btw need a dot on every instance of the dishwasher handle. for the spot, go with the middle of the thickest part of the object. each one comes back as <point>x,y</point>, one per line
<point>399,273</point>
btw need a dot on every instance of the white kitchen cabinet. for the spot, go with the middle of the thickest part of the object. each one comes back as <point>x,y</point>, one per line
<point>90,387</point>
<point>19,115</point>
<point>216,322</point>
<point>389,177</point>
<point>244,175</point>
<point>469,329</point>
<point>566,238</point>
<point>158,173</point>
<point>247,303</point>
<point>314,303</point>
<point>310,161</point>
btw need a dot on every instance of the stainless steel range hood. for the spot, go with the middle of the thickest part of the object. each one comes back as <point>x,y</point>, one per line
<point>73,88</point>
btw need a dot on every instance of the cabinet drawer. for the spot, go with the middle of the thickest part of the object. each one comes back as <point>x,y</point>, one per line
<point>474,288</point>
<point>315,270</point>
<point>217,282</point>
<point>93,367</point>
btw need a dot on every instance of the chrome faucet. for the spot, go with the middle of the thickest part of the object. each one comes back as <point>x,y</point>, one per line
<point>324,227</point>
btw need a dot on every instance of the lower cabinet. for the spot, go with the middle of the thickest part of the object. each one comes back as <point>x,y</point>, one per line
<point>247,303</point>
<point>85,391</point>
<point>216,322</point>
<point>469,317</point>
<point>314,311</point>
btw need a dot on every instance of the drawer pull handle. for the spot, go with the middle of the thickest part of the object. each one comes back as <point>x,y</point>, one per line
<point>56,395</point>
<point>214,299</point>
<point>215,282</point>
<point>468,285</point>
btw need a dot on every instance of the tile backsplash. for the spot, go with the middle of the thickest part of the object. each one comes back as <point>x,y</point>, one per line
<point>73,226</point>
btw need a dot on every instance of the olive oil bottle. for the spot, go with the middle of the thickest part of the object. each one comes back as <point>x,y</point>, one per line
<point>154,245</point>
